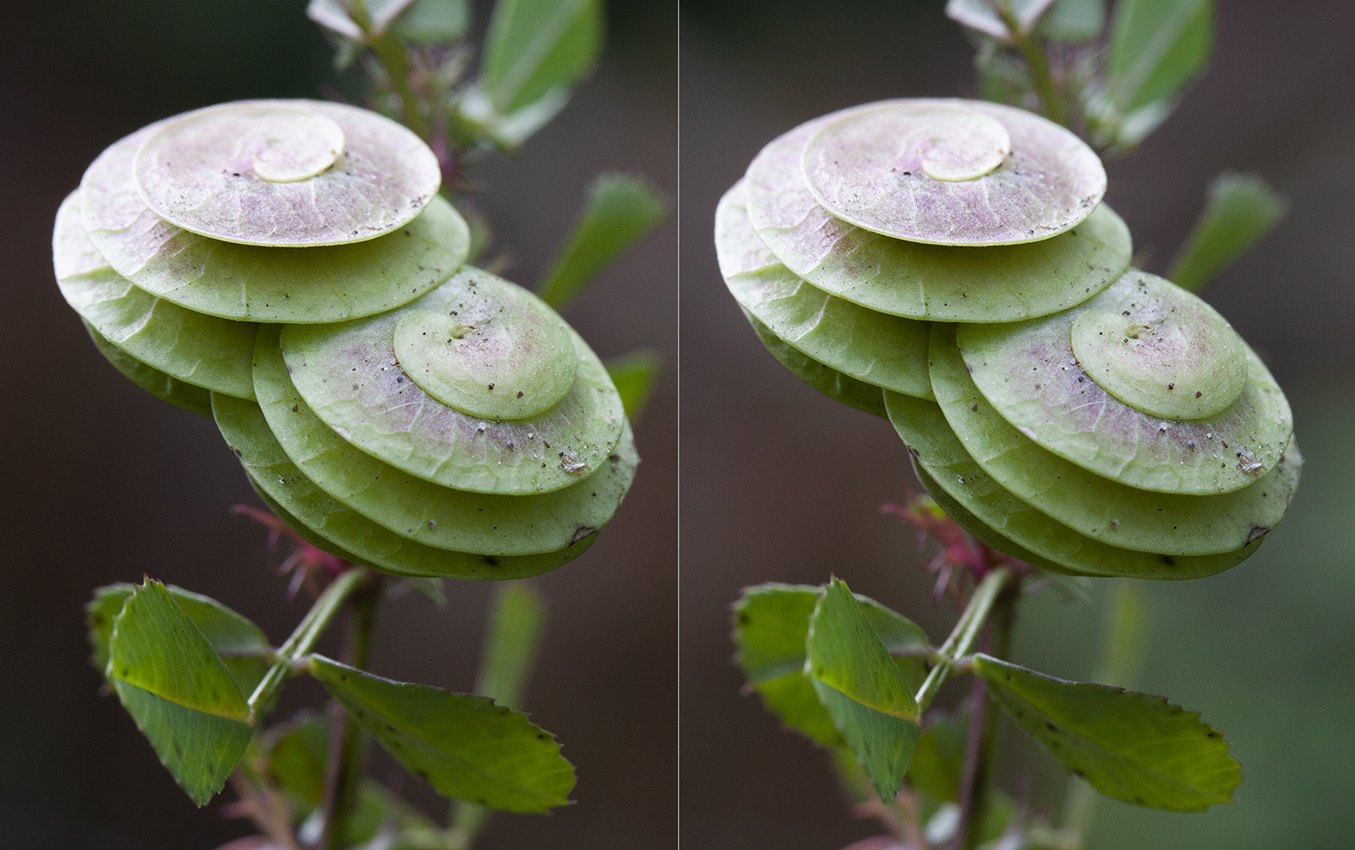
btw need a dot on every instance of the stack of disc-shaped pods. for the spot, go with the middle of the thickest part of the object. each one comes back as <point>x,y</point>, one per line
<point>948,264</point>
<point>288,267</point>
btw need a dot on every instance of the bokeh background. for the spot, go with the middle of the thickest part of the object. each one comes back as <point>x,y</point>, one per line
<point>103,483</point>
<point>779,483</point>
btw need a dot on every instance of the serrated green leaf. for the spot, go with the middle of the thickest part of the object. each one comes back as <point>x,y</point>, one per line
<point>178,690</point>
<point>1133,747</point>
<point>979,15</point>
<point>620,209</point>
<point>1072,21</point>
<point>242,645</point>
<point>1156,48</point>
<point>862,689</point>
<point>432,21</point>
<point>465,746</point>
<point>1241,208</point>
<point>536,47</point>
<point>771,625</point>
<point>634,375</point>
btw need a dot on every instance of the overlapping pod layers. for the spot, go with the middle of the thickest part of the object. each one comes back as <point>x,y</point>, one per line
<point>289,268</point>
<point>949,264</point>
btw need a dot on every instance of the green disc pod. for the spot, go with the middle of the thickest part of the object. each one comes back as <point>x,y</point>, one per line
<point>289,268</point>
<point>1079,414</point>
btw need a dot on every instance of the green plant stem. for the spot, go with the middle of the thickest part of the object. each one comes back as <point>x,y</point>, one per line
<point>347,743</point>
<point>303,638</point>
<point>1043,79</point>
<point>962,637</point>
<point>391,54</point>
<point>981,746</point>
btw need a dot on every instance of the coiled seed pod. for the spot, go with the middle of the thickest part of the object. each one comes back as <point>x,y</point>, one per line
<point>289,268</point>
<point>948,264</point>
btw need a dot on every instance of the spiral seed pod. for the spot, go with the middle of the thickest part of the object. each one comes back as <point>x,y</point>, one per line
<point>948,264</point>
<point>289,268</point>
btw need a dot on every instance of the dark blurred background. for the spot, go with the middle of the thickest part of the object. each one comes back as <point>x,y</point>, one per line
<point>104,483</point>
<point>779,483</point>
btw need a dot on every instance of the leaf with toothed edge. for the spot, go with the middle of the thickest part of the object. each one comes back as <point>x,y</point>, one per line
<point>465,746</point>
<point>241,644</point>
<point>862,689</point>
<point>771,623</point>
<point>178,690</point>
<point>1131,746</point>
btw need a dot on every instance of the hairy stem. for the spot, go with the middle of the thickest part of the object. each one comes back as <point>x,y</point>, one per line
<point>303,638</point>
<point>966,631</point>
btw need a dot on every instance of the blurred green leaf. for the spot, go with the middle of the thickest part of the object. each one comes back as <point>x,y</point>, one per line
<point>620,209</point>
<point>297,756</point>
<point>1156,48</point>
<point>100,612</point>
<point>1002,77</point>
<point>635,375</point>
<point>1240,210</point>
<point>771,625</point>
<point>432,21</point>
<point>509,131</point>
<point>537,47</point>
<point>296,759</point>
<point>242,645</point>
<point>980,15</point>
<point>938,761</point>
<point>998,812</point>
<point>178,690</point>
<point>850,777</point>
<point>465,746</point>
<point>862,689</point>
<point>1072,21</point>
<point>1133,747</point>
<point>333,16</point>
